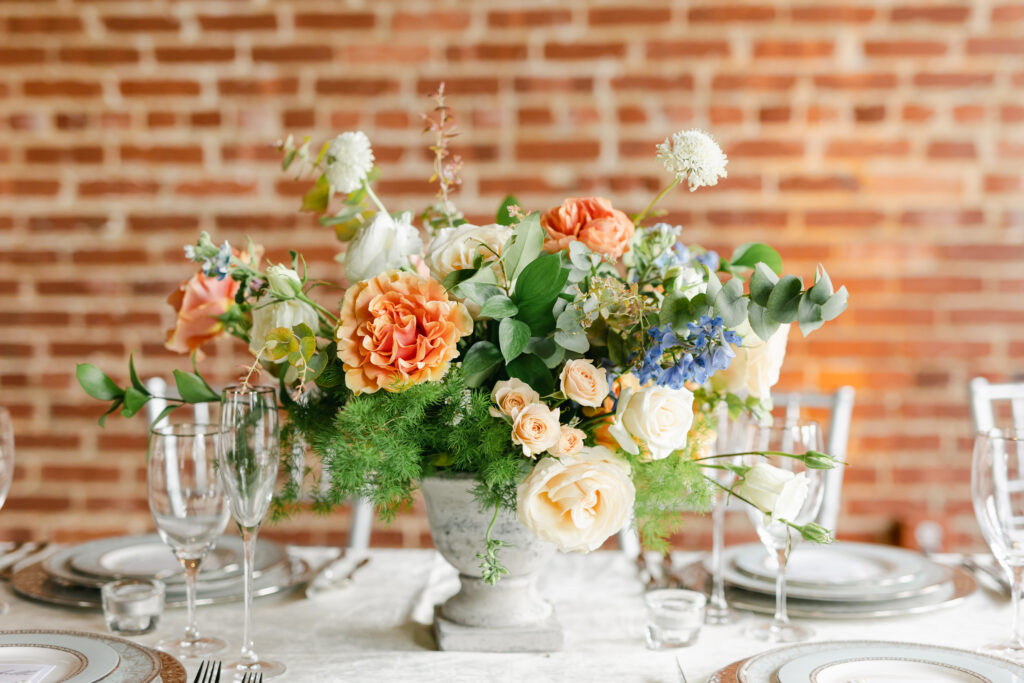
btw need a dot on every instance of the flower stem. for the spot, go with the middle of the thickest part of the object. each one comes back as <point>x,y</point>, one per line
<point>643,214</point>
<point>372,195</point>
<point>751,504</point>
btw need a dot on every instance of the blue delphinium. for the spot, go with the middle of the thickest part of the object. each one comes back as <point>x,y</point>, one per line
<point>712,347</point>
<point>706,349</point>
<point>710,259</point>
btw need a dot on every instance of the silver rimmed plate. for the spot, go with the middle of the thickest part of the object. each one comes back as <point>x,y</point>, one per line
<point>33,582</point>
<point>840,563</point>
<point>147,556</point>
<point>840,662</point>
<point>74,658</point>
<point>931,578</point>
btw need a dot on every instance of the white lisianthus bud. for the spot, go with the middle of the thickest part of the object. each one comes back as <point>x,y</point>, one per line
<point>656,416</point>
<point>382,244</point>
<point>776,492</point>
<point>348,160</point>
<point>268,315</point>
<point>284,282</point>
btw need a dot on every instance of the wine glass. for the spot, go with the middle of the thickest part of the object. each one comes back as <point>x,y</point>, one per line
<point>248,470</point>
<point>997,490</point>
<point>777,536</point>
<point>190,510</point>
<point>6,466</point>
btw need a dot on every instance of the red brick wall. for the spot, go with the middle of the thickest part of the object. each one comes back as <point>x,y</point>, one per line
<point>883,138</point>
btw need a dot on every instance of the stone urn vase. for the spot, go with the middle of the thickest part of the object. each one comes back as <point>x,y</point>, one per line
<point>510,616</point>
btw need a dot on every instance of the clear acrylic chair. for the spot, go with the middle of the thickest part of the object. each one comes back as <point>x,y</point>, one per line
<point>990,403</point>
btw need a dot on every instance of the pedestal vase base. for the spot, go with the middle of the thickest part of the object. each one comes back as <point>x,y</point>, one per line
<point>544,636</point>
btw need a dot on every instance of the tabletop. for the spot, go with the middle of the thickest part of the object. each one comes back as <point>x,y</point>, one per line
<point>378,629</point>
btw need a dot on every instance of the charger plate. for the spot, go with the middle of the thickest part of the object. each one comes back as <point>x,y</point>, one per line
<point>835,662</point>
<point>110,659</point>
<point>171,670</point>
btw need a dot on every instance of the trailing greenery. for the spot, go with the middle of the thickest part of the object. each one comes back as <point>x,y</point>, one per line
<point>660,487</point>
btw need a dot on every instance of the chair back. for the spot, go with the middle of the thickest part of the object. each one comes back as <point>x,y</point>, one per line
<point>834,412</point>
<point>989,403</point>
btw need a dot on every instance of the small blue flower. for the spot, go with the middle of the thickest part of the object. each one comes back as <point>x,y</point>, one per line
<point>218,264</point>
<point>709,259</point>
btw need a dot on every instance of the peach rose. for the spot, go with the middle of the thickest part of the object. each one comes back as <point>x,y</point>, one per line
<point>396,330</point>
<point>511,396</point>
<point>536,429</point>
<point>609,234</point>
<point>577,502</point>
<point>198,301</point>
<point>584,383</point>
<point>570,442</point>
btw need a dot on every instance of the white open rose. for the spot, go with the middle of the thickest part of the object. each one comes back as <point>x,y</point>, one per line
<point>577,502</point>
<point>583,383</point>
<point>511,396</point>
<point>776,492</point>
<point>657,417</point>
<point>757,365</point>
<point>267,316</point>
<point>536,429</point>
<point>382,244</point>
<point>456,248</point>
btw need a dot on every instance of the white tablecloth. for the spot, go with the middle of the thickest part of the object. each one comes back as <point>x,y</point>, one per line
<point>378,629</point>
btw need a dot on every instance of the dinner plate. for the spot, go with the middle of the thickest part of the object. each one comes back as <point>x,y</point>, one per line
<point>844,661</point>
<point>76,659</point>
<point>147,556</point>
<point>33,582</point>
<point>839,563</point>
<point>932,578</point>
<point>961,585</point>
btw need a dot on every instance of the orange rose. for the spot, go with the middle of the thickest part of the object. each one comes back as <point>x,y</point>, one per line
<point>396,330</point>
<point>198,301</point>
<point>587,219</point>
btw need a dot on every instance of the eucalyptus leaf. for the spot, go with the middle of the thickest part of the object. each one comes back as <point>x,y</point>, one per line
<point>677,310</point>
<point>762,280</point>
<point>572,341</point>
<point>822,288</point>
<point>580,255</point>
<point>835,305</point>
<point>498,306</point>
<point>481,360</point>
<point>809,314</point>
<point>193,389</point>
<point>764,325</point>
<point>96,383</point>
<point>478,292</point>
<point>784,302</point>
<point>547,350</point>
<point>513,336</point>
<point>730,304</point>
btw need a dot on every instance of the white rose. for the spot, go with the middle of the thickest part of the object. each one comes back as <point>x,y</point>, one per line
<point>776,492</point>
<point>659,417</point>
<point>382,244</point>
<point>269,316</point>
<point>456,248</point>
<point>757,365</point>
<point>283,281</point>
<point>583,383</point>
<point>511,396</point>
<point>536,429</point>
<point>349,158</point>
<point>577,502</point>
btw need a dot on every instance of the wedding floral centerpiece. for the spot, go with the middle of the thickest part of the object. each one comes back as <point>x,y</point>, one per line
<point>570,360</point>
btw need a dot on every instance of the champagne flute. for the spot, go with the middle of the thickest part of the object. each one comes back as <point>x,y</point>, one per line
<point>190,511</point>
<point>6,466</point>
<point>997,490</point>
<point>248,470</point>
<point>777,536</point>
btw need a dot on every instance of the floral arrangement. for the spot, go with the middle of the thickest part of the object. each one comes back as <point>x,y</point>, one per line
<point>572,360</point>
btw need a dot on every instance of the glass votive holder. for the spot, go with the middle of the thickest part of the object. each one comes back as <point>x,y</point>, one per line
<point>674,617</point>
<point>132,607</point>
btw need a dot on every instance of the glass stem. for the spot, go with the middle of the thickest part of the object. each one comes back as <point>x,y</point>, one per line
<point>248,655</point>
<point>718,602</point>
<point>1018,604</point>
<point>191,573</point>
<point>781,617</point>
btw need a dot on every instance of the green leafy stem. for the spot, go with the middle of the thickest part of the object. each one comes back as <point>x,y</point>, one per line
<point>490,565</point>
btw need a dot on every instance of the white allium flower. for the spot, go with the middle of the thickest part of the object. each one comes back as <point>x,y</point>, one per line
<point>693,156</point>
<point>349,159</point>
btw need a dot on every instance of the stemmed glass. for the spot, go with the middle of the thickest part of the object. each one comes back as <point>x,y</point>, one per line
<point>997,489</point>
<point>777,536</point>
<point>190,511</point>
<point>6,467</point>
<point>248,469</point>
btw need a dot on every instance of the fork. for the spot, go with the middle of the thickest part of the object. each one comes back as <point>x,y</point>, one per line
<point>253,677</point>
<point>207,673</point>
<point>679,665</point>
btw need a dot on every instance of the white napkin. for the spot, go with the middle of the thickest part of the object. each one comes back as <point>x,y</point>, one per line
<point>14,672</point>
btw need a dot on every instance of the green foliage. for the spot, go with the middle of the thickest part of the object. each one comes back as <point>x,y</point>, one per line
<point>661,485</point>
<point>748,255</point>
<point>504,217</point>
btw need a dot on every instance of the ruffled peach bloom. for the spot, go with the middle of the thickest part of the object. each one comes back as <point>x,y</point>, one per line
<point>198,301</point>
<point>398,329</point>
<point>609,235</point>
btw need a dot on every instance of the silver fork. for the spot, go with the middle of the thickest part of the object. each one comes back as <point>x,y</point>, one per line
<point>253,677</point>
<point>679,665</point>
<point>208,673</point>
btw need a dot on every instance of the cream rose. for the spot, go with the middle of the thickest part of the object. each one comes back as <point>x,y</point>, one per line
<point>536,429</point>
<point>570,442</point>
<point>456,248</point>
<point>776,492</point>
<point>511,396</point>
<point>584,383</point>
<point>382,244</point>
<point>269,316</point>
<point>577,502</point>
<point>656,416</point>
<point>757,365</point>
